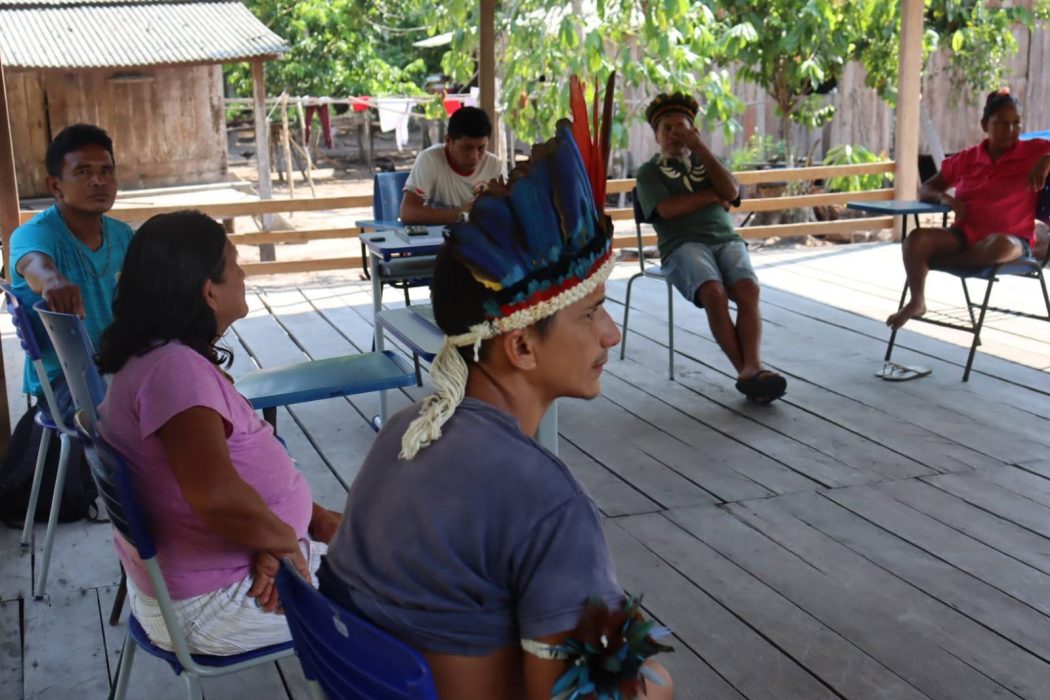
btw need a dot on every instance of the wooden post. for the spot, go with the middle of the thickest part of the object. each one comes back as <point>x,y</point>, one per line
<point>306,148</point>
<point>909,100</point>
<point>8,223</point>
<point>487,59</point>
<point>286,146</point>
<point>262,152</point>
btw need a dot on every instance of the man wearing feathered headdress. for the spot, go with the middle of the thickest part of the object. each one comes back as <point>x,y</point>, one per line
<point>463,536</point>
<point>686,193</point>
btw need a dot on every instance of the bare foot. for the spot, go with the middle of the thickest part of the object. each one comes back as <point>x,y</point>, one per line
<point>911,310</point>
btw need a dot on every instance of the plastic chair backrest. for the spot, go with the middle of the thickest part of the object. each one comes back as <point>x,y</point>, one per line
<point>113,479</point>
<point>23,324</point>
<point>76,355</point>
<point>346,654</point>
<point>388,189</point>
<point>28,339</point>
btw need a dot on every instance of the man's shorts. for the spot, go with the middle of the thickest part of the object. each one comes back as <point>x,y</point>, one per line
<point>693,264</point>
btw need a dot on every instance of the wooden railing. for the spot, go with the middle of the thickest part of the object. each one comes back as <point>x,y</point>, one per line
<point>224,210</point>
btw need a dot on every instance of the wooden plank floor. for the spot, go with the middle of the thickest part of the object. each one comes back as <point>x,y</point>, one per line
<point>858,539</point>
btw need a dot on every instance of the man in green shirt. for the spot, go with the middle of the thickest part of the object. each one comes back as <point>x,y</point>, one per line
<point>686,192</point>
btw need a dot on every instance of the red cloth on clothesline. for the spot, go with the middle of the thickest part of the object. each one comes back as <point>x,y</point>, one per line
<point>452,106</point>
<point>363,105</point>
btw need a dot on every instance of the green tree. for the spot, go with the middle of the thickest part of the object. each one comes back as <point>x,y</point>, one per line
<point>653,45</point>
<point>341,47</point>
<point>978,38</point>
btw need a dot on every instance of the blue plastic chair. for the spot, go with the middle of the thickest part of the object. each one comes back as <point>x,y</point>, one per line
<point>651,271</point>
<point>51,421</point>
<point>114,481</point>
<point>388,189</point>
<point>344,654</point>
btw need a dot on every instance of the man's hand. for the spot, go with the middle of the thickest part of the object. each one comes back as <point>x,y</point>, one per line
<point>1037,178</point>
<point>693,141</point>
<point>63,296</point>
<point>264,572</point>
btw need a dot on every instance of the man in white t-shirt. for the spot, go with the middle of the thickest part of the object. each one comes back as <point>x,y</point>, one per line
<point>447,177</point>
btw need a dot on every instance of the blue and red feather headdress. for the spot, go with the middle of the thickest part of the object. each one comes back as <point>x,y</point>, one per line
<point>538,243</point>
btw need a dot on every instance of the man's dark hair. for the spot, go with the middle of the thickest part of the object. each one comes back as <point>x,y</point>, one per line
<point>471,122</point>
<point>458,300</point>
<point>73,138</point>
<point>158,296</point>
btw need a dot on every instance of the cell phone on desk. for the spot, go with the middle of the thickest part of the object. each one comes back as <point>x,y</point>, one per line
<point>416,230</point>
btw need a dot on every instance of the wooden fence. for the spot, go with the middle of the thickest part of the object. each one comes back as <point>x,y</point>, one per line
<point>226,210</point>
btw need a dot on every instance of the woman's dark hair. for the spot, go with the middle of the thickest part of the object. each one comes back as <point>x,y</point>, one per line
<point>458,300</point>
<point>159,295</point>
<point>996,101</point>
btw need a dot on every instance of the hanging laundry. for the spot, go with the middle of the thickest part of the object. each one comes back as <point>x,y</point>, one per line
<point>326,123</point>
<point>452,106</point>
<point>361,103</point>
<point>394,115</point>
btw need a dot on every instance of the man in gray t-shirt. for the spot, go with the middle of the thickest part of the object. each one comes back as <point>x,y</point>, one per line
<point>461,534</point>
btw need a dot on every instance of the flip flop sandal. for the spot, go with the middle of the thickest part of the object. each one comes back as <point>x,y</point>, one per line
<point>894,372</point>
<point>763,387</point>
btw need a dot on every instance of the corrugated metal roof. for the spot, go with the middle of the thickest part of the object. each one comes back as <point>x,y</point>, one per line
<point>116,34</point>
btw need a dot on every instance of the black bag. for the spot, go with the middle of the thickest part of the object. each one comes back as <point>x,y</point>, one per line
<point>16,477</point>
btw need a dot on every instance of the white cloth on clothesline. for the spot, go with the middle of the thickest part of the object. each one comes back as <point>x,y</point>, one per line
<point>393,116</point>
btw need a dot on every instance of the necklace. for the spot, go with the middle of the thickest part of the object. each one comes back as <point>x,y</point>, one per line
<point>89,263</point>
<point>78,244</point>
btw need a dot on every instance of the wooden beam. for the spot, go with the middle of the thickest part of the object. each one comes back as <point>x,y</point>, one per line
<point>909,100</point>
<point>274,268</point>
<point>262,148</point>
<point>822,199</point>
<point>252,207</point>
<point>820,172</point>
<point>487,58</point>
<point>8,223</point>
<point>298,236</point>
<point>818,228</point>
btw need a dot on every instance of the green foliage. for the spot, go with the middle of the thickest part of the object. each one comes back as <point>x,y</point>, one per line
<point>760,149</point>
<point>1041,9</point>
<point>848,154</point>
<point>794,47</point>
<point>340,47</point>
<point>977,36</point>
<point>652,45</point>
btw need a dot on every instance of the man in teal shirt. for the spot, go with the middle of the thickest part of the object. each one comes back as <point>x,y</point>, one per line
<point>686,192</point>
<point>70,255</point>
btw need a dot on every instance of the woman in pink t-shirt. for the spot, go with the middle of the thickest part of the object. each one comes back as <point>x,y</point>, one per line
<point>224,499</point>
<point>995,187</point>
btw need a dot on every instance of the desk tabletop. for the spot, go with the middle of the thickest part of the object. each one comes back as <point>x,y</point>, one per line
<point>415,327</point>
<point>322,379</point>
<point>398,242</point>
<point>899,207</point>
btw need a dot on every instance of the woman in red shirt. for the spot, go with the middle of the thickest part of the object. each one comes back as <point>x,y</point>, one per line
<point>995,187</point>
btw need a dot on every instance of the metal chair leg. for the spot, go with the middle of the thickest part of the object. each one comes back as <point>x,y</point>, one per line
<point>34,492</point>
<point>977,330</point>
<point>118,602</point>
<point>52,521</point>
<point>193,686</point>
<point>670,331</point>
<point>626,313</point>
<point>1046,296</point>
<point>127,656</point>
<point>893,334</point>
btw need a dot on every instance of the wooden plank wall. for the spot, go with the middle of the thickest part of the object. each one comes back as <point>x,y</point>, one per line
<point>862,118</point>
<point>167,124</point>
